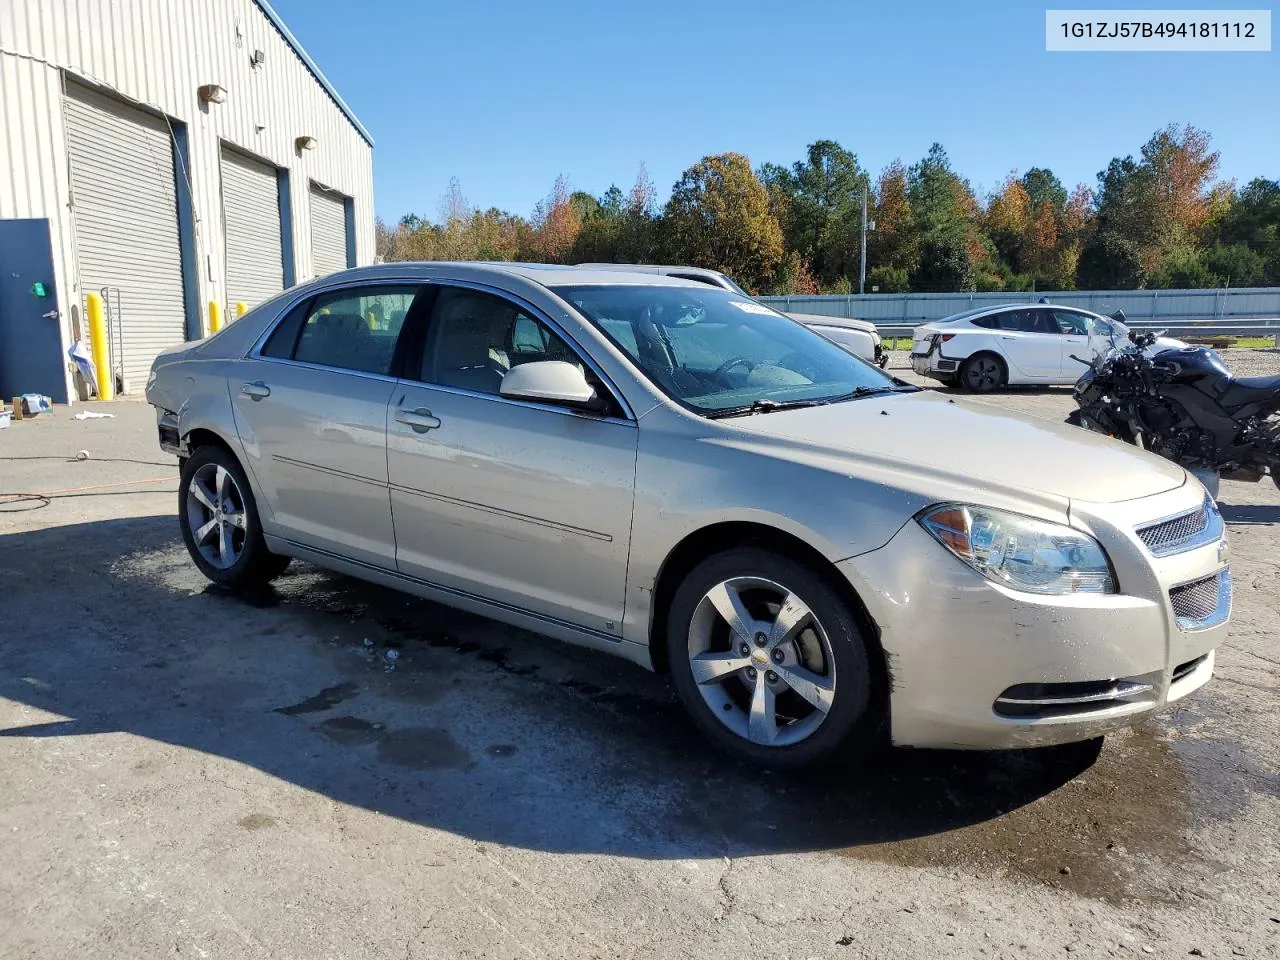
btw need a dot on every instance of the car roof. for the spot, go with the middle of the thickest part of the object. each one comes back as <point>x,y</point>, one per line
<point>997,307</point>
<point>661,269</point>
<point>544,274</point>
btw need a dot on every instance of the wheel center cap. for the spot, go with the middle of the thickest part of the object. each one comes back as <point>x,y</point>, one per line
<point>760,657</point>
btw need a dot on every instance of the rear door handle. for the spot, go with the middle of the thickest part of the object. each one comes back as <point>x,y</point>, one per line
<point>255,391</point>
<point>419,419</point>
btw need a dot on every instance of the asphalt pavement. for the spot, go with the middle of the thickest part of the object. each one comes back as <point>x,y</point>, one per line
<point>331,769</point>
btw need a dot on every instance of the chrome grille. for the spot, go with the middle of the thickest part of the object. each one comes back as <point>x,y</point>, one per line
<point>1202,603</point>
<point>1184,532</point>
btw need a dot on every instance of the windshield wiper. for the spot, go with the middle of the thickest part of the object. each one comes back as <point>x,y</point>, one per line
<point>757,406</point>
<point>764,405</point>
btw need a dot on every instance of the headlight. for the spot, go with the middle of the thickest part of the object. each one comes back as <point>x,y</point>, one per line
<point>1019,552</point>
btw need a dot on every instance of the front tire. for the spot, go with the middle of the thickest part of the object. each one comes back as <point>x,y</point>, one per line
<point>983,373</point>
<point>769,660</point>
<point>219,520</point>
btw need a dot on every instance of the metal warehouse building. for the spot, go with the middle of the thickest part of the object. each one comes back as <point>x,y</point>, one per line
<point>165,154</point>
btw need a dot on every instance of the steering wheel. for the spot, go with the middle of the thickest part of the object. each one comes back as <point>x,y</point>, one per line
<point>730,364</point>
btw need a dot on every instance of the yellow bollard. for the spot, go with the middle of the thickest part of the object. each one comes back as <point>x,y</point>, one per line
<point>98,346</point>
<point>241,308</point>
<point>215,317</point>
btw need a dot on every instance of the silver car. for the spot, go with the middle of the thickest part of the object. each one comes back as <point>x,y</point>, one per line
<point>816,552</point>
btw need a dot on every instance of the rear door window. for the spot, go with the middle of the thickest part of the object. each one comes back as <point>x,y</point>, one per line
<point>354,329</point>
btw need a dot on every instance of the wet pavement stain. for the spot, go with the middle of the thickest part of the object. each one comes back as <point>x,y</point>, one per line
<point>351,731</point>
<point>258,821</point>
<point>1096,834</point>
<point>424,748</point>
<point>326,699</point>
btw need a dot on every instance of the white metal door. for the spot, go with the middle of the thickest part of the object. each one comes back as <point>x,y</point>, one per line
<point>328,232</point>
<point>124,204</point>
<point>251,225</point>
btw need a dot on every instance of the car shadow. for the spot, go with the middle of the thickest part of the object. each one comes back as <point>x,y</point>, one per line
<point>1250,513</point>
<point>440,718</point>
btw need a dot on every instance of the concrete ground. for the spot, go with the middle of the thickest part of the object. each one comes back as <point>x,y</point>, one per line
<point>335,770</point>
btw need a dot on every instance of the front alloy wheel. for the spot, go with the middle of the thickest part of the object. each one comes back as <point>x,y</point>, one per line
<point>769,660</point>
<point>762,661</point>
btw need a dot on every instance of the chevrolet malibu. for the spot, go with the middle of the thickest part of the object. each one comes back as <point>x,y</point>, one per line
<point>817,553</point>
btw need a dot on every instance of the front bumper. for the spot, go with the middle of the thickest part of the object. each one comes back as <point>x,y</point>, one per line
<point>974,665</point>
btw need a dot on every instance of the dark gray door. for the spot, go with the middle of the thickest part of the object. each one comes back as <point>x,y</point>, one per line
<point>31,358</point>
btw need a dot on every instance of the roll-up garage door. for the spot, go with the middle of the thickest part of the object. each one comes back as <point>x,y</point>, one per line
<point>328,232</point>
<point>124,203</point>
<point>251,223</point>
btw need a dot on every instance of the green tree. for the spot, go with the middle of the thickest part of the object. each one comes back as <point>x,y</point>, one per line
<point>818,202</point>
<point>585,205</point>
<point>886,279</point>
<point>612,201</point>
<point>940,199</point>
<point>1235,265</point>
<point>945,263</point>
<point>1126,201</point>
<point>1185,271</point>
<point>1043,187</point>
<point>1109,261</point>
<point>718,217</point>
<point>1253,220</point>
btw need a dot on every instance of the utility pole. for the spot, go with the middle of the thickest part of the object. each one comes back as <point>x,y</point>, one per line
<point>862,271</point>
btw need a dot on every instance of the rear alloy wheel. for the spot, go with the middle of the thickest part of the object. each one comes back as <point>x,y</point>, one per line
<point>767,659</point>
<point>982,373</point>
<point>220,522</point>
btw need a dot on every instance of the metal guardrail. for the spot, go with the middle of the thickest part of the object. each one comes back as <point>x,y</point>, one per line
<point>1168,308</point>
<point>1203,328</point>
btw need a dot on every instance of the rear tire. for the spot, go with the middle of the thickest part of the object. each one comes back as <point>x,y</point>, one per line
<point>983,373</point>
<point>802,692</point>
<point>220,525</point>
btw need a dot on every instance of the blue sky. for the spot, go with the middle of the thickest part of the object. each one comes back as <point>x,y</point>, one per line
<point>507,94</point>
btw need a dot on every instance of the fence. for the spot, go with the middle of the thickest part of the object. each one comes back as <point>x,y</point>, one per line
<point>1253,311</point>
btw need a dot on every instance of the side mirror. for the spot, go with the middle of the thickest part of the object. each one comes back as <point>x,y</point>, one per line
<point>550,381</point>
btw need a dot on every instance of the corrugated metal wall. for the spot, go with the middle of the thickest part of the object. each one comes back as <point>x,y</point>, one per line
<point>251,224</point>
<point>328,232</point>
<point>158,53</point>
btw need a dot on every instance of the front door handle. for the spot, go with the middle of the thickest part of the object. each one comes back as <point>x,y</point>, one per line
<point>255,391</point>
<point>419,419</point>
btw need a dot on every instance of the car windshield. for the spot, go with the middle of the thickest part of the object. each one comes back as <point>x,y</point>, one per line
<point>734,287</point>
<point>717,353</point>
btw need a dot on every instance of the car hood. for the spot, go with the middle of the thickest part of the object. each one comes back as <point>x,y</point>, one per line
<point>967,442</point>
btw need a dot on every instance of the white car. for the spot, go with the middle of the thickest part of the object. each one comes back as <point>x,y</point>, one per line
<point>1016,343</point>
<point>858,337</point>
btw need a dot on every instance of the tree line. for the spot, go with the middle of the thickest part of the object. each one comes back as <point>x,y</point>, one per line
<point>1161,219</point>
